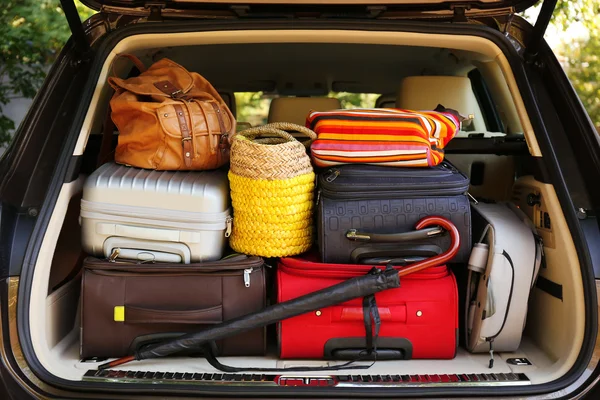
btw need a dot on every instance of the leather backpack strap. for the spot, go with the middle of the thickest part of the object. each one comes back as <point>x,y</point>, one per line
<point>109,125</point>
<point>136,61</point>
<point>186,138</point>
<point>107,137</point>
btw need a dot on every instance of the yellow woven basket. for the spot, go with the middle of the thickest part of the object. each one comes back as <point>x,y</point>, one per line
<point>272,191</point>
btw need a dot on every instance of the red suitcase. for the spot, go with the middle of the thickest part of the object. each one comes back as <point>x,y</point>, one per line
<point>419,320</point>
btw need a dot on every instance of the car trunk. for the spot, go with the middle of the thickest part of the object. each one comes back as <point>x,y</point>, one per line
<point>353,61</point>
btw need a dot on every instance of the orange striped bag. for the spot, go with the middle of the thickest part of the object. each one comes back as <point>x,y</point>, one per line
<point>382,136</point>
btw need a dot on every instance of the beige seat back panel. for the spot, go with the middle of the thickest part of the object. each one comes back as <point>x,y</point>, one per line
<point>296,109</point>
<point>426,92</point>
<point>498,174</point>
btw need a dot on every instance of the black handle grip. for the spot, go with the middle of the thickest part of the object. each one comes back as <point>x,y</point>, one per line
<point>382,354</point>
<point>420,234</point>
<point>372,254</point>
<point>352,348</point>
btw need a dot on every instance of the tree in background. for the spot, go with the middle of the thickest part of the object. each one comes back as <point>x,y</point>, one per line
<point>355,100</point>
<point>582,55</point>
<point>32,32</point>
<point>583,68</point>
<point>570,11</point>
<point>252,107</point>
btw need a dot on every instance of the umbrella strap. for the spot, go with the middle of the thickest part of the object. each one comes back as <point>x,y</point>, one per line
<point>212,360</point>
<point>371,312</point>
<point>371,317</point>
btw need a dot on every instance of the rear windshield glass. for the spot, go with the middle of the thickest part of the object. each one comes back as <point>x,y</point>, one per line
<point>253,107</point>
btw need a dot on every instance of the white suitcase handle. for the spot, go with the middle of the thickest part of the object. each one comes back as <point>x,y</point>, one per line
<point>147,250</point>
<point>148,233</point>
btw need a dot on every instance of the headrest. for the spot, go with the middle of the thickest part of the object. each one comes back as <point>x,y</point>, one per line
<point>426,92</point>
<point>242,125</point>
<point>296,109</point>
<point>229,99</point>
<point>386,101</point>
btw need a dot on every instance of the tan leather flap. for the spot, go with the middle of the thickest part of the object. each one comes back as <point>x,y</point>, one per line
<point>162,72</point>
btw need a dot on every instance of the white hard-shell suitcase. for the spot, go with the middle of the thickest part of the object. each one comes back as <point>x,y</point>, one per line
<point>146,215</point>
<point>503,268</point>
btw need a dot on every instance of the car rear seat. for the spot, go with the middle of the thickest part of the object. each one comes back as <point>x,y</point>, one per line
<point>492,176</point>
<point>296,109</point>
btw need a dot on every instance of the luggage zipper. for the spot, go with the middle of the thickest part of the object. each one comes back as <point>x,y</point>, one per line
<point>367,192</point>
<point>247,273</point>
<point>445,169</point>
<point>228,225</point>
<point>342,271</point>
<point>331,175</point>
<point>114,258</point>
<point>235,263</point>
<point>473,199</point>
<point>371,191</point>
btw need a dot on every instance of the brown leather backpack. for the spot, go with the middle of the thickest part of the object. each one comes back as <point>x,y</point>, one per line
<point>170,119</point>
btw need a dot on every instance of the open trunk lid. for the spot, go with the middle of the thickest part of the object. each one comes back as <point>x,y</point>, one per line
<point>456,10</point>
<point>414,5</point>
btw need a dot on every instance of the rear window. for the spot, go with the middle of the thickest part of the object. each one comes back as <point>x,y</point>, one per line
<point>491,113</point>
<point>253,107</point>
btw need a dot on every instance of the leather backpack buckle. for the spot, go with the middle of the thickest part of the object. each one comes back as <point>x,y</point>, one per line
<point>177,94</point>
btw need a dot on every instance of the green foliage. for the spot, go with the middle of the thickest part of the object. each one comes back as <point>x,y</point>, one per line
<point>583,68</point>
<point>355,100</point>
<point>581,55</point>
<point>253,107</point>
<point>32,32</point>
<point>584,11</point>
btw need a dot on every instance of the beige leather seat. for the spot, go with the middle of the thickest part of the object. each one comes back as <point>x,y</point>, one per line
<point>494,174</point>
<point>296,109</point>
<point>426,92</point>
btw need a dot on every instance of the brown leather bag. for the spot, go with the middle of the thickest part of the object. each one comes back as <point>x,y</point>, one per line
<point>170,119</point>
<point>125,305</point>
